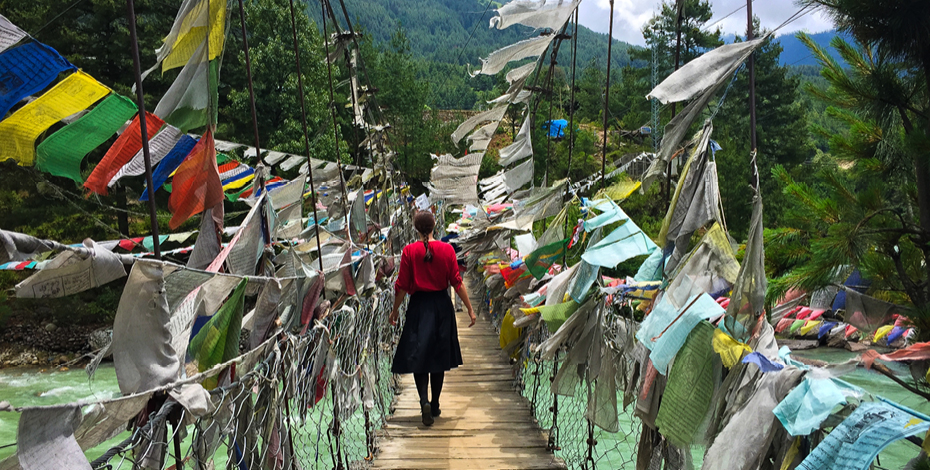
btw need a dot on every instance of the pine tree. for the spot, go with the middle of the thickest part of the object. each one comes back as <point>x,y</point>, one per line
<point>661,33</point>
<point>271,49</point>
<point>872,212</point>
<point>783,136</point>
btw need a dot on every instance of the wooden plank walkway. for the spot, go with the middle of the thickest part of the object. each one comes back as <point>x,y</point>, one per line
<point>484,424</point>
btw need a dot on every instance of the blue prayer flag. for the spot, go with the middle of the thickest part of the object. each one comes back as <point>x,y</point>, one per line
<point>170,163</point>
<point>26,70</point>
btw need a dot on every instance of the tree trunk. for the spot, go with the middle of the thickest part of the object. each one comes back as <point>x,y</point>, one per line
<point>923,188</point>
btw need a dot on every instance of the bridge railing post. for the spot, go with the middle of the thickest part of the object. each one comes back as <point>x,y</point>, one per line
<point>553,444</point>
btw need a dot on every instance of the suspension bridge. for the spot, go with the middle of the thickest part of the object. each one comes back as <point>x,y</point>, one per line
<point>273,351</point>
<point>484,423</point>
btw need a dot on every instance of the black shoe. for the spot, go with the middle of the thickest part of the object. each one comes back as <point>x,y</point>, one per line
<point>434,408</point>
<point>426,414</point>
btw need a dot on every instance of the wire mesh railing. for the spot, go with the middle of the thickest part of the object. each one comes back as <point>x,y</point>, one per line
<point>312,402</point>
<point>572,434</point>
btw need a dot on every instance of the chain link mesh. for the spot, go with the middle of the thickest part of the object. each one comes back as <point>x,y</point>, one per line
<point>571,435</point>
<point>310,402</point>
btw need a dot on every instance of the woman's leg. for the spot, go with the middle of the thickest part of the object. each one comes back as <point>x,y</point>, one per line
<point>422,381</point>
<point>436,385</point>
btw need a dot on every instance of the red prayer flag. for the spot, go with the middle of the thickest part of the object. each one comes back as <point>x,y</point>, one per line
<point>127,145</point>
<point>196,185</point>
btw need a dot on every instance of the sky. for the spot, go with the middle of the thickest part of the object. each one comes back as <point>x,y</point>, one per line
<point>631,15</point>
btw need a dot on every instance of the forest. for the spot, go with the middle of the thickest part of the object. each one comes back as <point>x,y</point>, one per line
<point>838,141</point>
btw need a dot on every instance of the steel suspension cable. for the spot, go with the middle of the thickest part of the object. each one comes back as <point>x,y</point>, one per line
<point>571,111</point>
<point>303,121</point>
<point>610,41</point>
<point>332,107</point>
<point>140,97</point>
<point>248,74</point>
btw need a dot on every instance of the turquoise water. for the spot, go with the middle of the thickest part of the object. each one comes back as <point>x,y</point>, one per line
<point>618,450</point>
<point>899,453</point>
<point>32,387</point>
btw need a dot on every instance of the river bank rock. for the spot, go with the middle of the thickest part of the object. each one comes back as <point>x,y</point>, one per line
<point>38,345</point>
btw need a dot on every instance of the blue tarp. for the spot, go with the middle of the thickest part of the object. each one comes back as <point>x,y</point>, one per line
<point>556,127</point>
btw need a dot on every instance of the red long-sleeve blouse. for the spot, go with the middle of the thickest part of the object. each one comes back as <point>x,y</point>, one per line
<point>416,275</point>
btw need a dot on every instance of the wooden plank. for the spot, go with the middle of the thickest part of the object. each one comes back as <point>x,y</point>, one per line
<point>456,403</point>
<point>485,423</point>
<point>447,425</point>
<point>500,435</point>
<point>469,464</point>
<point>476,441</point>
<point>518,405</point>
<point>454,452</point>
<point>468,416</point>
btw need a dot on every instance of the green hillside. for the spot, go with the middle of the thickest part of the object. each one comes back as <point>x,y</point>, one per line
<point>438,32</point>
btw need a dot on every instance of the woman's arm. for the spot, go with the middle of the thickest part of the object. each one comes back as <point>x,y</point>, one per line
<point>399,295</point>
<point>463,294</point>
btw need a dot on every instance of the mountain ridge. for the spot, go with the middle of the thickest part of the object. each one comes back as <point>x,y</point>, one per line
<point>457,31</point>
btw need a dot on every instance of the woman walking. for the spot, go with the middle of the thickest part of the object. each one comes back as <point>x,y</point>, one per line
<point>429,344</point>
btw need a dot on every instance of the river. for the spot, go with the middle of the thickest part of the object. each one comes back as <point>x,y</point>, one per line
<point>31,387</point>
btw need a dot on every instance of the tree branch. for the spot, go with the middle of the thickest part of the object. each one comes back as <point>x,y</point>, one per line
<point>910,287</point>
<point>882,369</point>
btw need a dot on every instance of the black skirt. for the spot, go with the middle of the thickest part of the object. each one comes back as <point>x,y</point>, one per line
<point>430,340</point>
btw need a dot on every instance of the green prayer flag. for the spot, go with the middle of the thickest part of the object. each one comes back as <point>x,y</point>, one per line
<point>234,195</point>
<point>555,315</point>
<point>149,242</point>
<point>690,388</point>
<point>62,152</point>
<point>189,114</point>
<point>538,262</point>
<point>218,340</point>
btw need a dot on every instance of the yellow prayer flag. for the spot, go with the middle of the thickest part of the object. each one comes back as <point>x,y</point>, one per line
<point>791,454</point>
<point>729,349</point>
<point>809,326</point>
<point>882,332</point>
<point>509,333</point>
<point>19,132</point>
<point>238,183</point>
<point>193,32</point>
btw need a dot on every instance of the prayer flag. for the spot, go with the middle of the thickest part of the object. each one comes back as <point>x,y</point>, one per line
<point>730,350</point>
<point>556,315</point>
<point>235,175</point>
<point>19,132</point>
<point>512,275</point>
<point>867,431</point>
<point>236,194</point>
<point>189,100</point>
<point>122,151</point>
<point>539,261</point>
<point>159,146</point>
<point>218,340</point>
<point>690,388</point>
<point>765,365</point>
<point>625,242</point>
<point>27,69</point>
<point>190,31</point>
<point>196,184</point>
<point>9,34</point>
<point>61,153</point>
<point>170,163</point>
